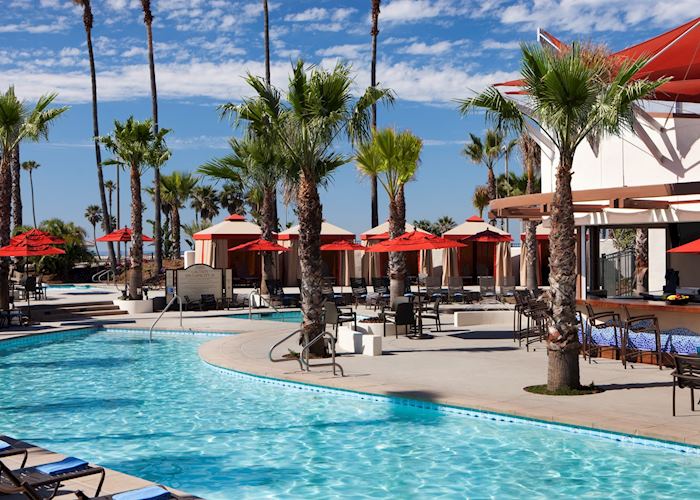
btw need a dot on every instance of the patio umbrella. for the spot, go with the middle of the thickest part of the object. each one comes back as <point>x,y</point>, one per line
<point>259,245</point>
<point>28,249</point>
<point>692,247</point>
<point>342,246</point>
<point>122,236</point>
<point>414,241</point>
<point>37,237</point>
<point>488,236</point>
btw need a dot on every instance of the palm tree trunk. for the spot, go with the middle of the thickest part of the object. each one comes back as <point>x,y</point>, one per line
<point>641,259</point>
<point>562,339</point>
<point>110,204</point>
<point>157,234</point>
<point>266,13</point>
<point>397,260</point>
<point>309,211</point>
<point>375,33</point>
<point>532,158</point>
<point>106,222</point>
<point>136,271</point>
<point>16,188</point>
<point>94,239</point>
<point>31,188</point>
<point>5,207</point>
<point>268,227</point>
<point>175,231</point>
<point>491,184</point>
<point>119,215</point>
<point>531,254</point>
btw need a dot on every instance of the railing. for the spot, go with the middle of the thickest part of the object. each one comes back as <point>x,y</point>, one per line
<point>262,299</point>
<point>103,276</point>
<point>304,362</point>
<point>617,273</point>
<point>165,309</point>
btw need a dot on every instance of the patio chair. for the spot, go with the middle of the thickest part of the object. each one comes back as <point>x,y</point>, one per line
<point>359,291</point>
<point>521,301</point>
<point>380,286</point>
<point>646,323</point>
<point>49,476</point>
<point>334,315</point>
<point>8,449</point>
<point>487,287</point>
<point>433,313</point>
<point>277,295</point>
<point>208,302</point>
<point>433,288</point>
<point>192,305</point>
<point>537,315</point>
<point>599,320</point>
<point>686,376</point>
<point>507,288</point>
<point>328,292</point>
<point>455,289</point>
<point>402,317</point>
<point>147,493</point>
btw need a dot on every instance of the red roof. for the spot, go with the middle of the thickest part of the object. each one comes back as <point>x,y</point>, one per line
<point>123,236</point>
<point>692,247</point>
<point>260,245</point>
<point>235,217</point>
<point>475,218</point>
<point>413,241</point>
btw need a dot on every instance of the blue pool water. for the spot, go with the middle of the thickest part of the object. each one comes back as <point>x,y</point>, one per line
<point>72,287</point>
<point>283,316</point>
<point>156,410</point>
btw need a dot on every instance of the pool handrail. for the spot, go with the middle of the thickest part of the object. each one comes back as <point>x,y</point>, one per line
<point>305,349</point>
<point>175,297</point>
<point>277,344</point>
<point>262,299</point>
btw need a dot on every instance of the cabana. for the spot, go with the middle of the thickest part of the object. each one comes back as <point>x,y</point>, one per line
<point>332,266</point>
<point>211,247</point>
<point>542,237</point>
<point>476,258</point>
<point>375,265</point>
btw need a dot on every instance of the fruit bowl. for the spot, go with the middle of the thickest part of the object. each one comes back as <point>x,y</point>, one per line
<point>677,300</point>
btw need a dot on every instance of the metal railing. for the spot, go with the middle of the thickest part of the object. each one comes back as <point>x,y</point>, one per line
<point>277,344</point>
<point>303,358</point>
<point>103,276</point>
<point>617,272</point>
<point>262,299</point>
<point>165,309</point>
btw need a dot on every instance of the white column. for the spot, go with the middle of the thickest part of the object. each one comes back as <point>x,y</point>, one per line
<point>583,261</point>
<point>657,259</point>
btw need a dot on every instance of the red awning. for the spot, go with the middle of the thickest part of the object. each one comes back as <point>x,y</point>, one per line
<point>29,250</point>
<point>488,236</point>
<point>692,247</point>
<point>259,245</point>
<point>414,241</point>
<point>121,236</point>
<point>342,246</point>
<point>37,237</point>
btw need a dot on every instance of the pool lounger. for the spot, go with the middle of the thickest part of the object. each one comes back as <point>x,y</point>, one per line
<point>147,493</point>
<point>52,475</point>
<point>10,450</point>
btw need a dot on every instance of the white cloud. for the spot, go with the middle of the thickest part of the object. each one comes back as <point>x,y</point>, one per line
<point>313,14</point>
<point>401,11</point>
<point>495,44</point>
<point>60,24</point>
<point>346,51</point>
<point>342,14</point>
<point>422,49</point>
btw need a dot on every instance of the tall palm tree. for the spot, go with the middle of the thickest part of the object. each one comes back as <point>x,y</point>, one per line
<point>205,202</point>
<point>641,258</point>
<point>177,189</point>
<point>231,198</point>
<point>532,155</point>
<point>157,236</point>
<point>29,167</point>
<point>373,82</point>
<point>134,144</point>
<point>487,152</point>
<point>266,22</point>
<point>106,221</point>
<point>481,199</point>
<point>257,164</point>
<point>15,166</point>
<point>570,95</point>
<point>320,109</point>
<point>393,158</point>
<point>17,123</point>
<point>110,187</point>
<point>93,214</point>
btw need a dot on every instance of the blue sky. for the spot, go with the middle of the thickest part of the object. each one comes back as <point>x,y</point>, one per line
<point>430,52</point>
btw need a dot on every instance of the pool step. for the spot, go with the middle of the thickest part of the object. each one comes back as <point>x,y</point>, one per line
<point>79,310</point>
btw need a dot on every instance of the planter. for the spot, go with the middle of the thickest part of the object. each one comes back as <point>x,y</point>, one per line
<point>377,329</point>
<point>471,318</point>
<point>358,342</point>
<point>135,306</point>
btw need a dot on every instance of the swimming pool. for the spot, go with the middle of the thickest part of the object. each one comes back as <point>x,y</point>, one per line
<point>71,287</point>
<point>283,316</point>
<point>157,411</point>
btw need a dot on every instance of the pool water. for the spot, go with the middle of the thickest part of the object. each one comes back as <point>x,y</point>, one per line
<point>283,316</point>
<point>72,287</point>
<point>157,411</point>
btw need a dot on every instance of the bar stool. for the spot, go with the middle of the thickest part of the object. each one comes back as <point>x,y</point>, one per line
<point>643,323</point>
<point>601,319</point>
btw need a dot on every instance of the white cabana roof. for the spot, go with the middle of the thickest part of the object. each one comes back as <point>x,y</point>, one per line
<point>625,217</point>
<point>382,231</point>
<point>234,226</point>
<point>472,225</point>
<point>328,230</point>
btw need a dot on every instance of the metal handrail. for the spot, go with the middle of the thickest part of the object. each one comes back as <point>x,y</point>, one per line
<point>175,297</point>
<point>269,354</point>
<point>305,349</point>
<point>250,302</point>
<point>98,276</point>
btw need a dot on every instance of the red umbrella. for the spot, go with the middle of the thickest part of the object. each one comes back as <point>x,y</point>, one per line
<point>342,246</point>
<point>37,237</point>
<point>260,245</point>
<point>29,250</point>
<point>692,247</point>
<point>488,236</point>
<point>414,241</point>
<point>122,236</point>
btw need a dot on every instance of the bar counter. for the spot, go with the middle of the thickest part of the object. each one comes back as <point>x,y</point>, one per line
<point>669,315</point>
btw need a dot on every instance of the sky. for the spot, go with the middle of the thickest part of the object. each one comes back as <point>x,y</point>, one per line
<point>430,53</point>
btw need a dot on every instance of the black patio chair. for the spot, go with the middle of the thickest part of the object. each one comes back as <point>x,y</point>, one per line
<point>686,376</point>
<point>277,295</point>
<point>433,288</point>
<point>455,289</point>
<point>334,315</point>
<point>208,302</point>
<point>433,313</point>
<point>359,291</point>
<point>381,287</point>
<point>403,316</point>
<point>328,291</point>
<point>645,323</point>
<point>600,319</point>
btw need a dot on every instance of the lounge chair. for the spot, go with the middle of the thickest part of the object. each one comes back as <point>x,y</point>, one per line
<point>208,302</point>
<point>8,449</point>
<point>359,291</point>
<point>433,313</point>
<point>433,288</point>
<point>49,476</point>
<point>455,289</point>
<point>487,287</point>
<point>402,317</point>
<point>507,288</point>
<point>381,287</point>
<point>277,295</point>
<point>334,315</point>
<point>686,376</point>
<point>146,493</point>
<point>192,305</point>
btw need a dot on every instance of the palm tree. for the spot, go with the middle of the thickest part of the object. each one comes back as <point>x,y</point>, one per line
<point>106,221</point>
<point>192,229</point>
<point>266,18</point>
<point>570,95</point>
<point>177,189</point>
<point>392,157</point>
<point>487,152</point>
<point>148,21</point>
<point>258,165</point>
<point>532,155</point>
<point>15,167</point>
<point>444,224</point>
<point>205,203</point>
<point>110,187</point>
<point>29,166</point>
<point>133,143</point>
<point>373,82</point>
<point>231,198</point>
<point>641,258</point>
<point>17,123</point>
<point>481,199</point>
<point>320,108</point>
<point>93,214</point>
